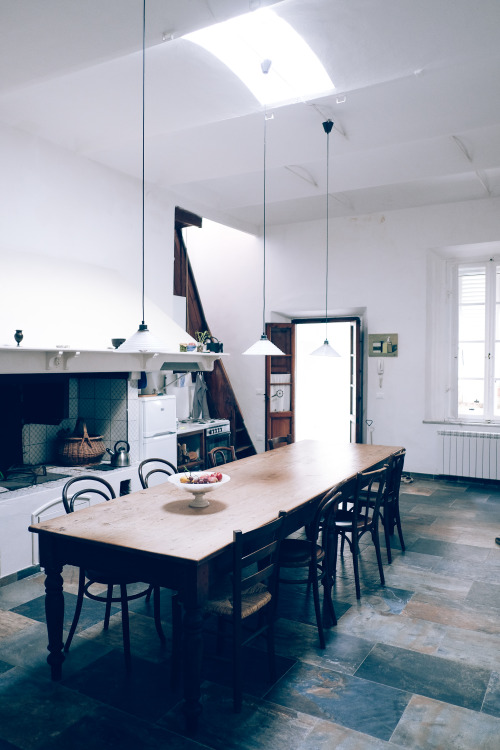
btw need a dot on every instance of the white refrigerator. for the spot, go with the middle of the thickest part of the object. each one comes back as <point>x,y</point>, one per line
<point>158,428</point>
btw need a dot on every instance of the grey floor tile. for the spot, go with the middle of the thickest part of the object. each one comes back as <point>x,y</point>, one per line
<point>260,725</point>
<point>431,725</point>
<point>331,695</point>
<point>144,693</point>
<point>441,679</point>
<point>104,729</point>
<point>481,592</point>
<point>491,704</point>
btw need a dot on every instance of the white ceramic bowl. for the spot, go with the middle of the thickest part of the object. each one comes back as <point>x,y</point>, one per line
<point>197,490</point>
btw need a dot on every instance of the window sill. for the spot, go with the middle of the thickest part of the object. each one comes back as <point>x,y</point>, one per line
<point>465,422</point>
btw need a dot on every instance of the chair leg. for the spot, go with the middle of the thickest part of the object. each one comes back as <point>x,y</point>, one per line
<point>328,584</point>
<point>78,609</point>
<point>125,627</point>
<point>376,542</point>
<point>157,615</point>
<point>355,553</point>
<point>313,578</point>
<point>397,518</point>
<point>271,656</point>
<point>387,519</point>
<point>150,591</point>
<point>237,688</point>
<point>107,613</point>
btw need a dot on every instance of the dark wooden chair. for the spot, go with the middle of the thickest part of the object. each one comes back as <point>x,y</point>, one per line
<point>309,555</point>
<point>389,509</point>
<point>278,442</point>
<point>85,487</point>
<point>358,516</point>
<point>155,466</point>
<point>221,455</point>
<point>250,589</point>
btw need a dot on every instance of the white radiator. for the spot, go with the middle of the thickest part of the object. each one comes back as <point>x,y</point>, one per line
<point>470,454</point>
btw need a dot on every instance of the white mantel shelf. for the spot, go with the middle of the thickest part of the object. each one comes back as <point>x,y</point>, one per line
<point>14,360</point>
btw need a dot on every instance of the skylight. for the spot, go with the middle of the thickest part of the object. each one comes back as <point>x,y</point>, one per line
<point>243,43</point>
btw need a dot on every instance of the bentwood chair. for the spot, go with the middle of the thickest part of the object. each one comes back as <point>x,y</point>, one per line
<point>389,509</point>
<point>278,442</point>
<point>250,590</point>
<point>308,554</point>
<point>151,466</point>
<point>75,490</point>
<point>221,455</point>
<point>358,516</point>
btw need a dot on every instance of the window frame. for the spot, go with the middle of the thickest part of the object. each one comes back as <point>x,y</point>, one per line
<point>491,267</point>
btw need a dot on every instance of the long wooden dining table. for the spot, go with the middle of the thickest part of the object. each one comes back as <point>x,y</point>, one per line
<point>156,536</point>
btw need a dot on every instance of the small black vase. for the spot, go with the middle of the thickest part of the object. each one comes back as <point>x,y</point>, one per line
<point>18,336</point>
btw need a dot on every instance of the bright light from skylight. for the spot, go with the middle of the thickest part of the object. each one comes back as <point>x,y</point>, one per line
<point>242,44</point>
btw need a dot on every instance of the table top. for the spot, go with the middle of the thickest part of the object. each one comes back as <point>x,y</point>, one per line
<point>159,520</point>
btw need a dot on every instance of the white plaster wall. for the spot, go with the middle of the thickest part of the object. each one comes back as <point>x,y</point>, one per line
<point>70,247</point>
<point>377,262</point>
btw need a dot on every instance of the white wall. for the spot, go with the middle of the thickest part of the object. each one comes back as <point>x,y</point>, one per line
<point>377,262</point>
<point>70,247</point>
<point>70,244</point>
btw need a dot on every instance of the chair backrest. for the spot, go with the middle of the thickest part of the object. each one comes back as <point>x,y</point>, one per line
<point>259,549</point>
<point>155,466</point>
<point>221,455</point>
<point>277,442</point>
<point>394,475</point>
<point>86,485</point>
<point>369,495</point>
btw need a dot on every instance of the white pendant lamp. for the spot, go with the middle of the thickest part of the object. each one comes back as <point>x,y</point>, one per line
<point>264,346</point>
<point>143,340</point>
<point>325,350</point>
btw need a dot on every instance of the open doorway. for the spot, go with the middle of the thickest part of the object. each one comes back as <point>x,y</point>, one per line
<point>327,388</point>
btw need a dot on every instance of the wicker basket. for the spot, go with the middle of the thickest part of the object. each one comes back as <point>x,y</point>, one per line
<point>81,450</point>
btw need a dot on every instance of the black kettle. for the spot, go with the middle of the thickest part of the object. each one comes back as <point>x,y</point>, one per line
<point>120,456</point>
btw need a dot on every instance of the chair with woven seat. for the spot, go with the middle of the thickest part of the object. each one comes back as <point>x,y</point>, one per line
<point>307,554</point>
<point>278,442</point>
<point>220,455</point>
<point>83,488</point>
<point>357,516</point>
<point>151,466</point>
<point>250,589</point>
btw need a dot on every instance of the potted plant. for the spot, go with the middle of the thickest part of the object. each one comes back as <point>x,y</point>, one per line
<point>201,337</point>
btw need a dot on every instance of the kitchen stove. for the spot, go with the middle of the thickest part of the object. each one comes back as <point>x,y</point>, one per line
<point>18,477</point>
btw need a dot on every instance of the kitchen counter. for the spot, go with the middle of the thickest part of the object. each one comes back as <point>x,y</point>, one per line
<point>22,507</point>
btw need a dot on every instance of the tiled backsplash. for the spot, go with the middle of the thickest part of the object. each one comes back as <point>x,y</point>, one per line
<point>109,407</point>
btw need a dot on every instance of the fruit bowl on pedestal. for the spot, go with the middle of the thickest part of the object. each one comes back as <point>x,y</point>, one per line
<point>191,483</point>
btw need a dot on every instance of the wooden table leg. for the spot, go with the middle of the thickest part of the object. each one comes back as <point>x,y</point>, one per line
<point>54,613</point>
<point>193,654</point>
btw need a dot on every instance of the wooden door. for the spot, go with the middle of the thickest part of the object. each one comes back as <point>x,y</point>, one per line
<point>280,386</point>
<point>281,370</point>
<point>355,394</point>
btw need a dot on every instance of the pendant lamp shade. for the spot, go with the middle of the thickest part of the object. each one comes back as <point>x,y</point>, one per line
<point>263,346</point>
<point>143,340</point>
<point>326,350</point>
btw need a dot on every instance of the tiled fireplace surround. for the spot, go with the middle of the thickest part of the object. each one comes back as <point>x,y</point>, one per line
<point>109,407</point>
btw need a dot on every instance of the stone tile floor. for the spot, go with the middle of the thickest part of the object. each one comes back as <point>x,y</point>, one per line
<point>415,664</point>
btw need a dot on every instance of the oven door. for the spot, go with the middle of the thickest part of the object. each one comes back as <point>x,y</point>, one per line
<point>223,439</point>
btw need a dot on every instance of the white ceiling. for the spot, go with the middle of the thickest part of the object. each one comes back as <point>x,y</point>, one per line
<point>420,123</point>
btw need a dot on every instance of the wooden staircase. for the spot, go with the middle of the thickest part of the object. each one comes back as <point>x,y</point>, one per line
<point>222,401</point>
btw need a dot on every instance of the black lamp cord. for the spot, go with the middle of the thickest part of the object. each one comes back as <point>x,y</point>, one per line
<point>264,233</point>
<point>327,127</point>
<point>143,148</point>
